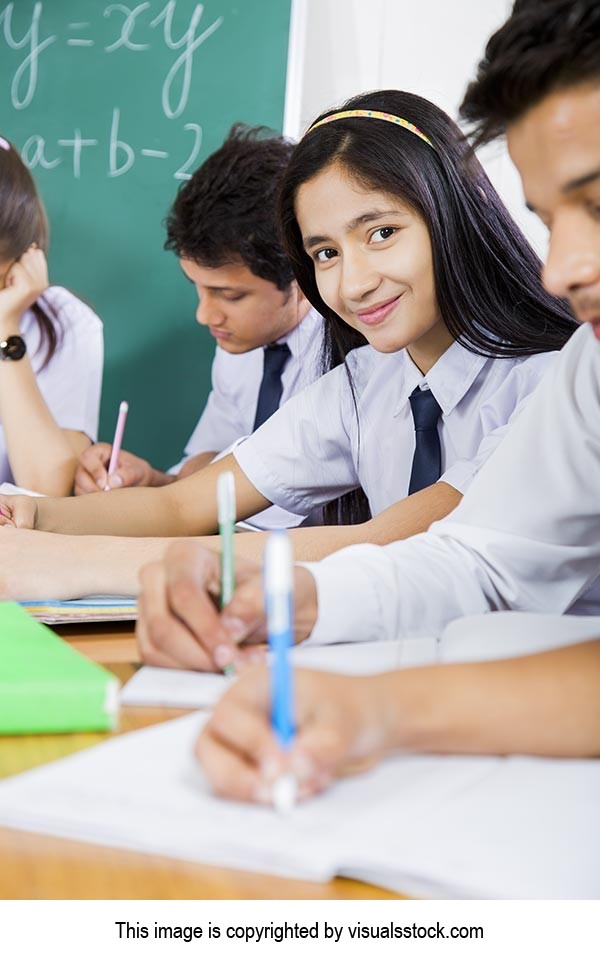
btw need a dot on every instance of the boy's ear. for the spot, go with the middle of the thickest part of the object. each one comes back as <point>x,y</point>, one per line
<point>302,301</point>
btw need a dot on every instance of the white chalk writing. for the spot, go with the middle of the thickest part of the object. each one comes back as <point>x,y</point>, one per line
<point>130,21</point>
<point>121,155</point>
<point>27,71</point>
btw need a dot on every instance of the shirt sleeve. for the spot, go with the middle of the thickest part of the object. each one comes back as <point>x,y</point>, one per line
<point>71,382</point>
<point>220,424</point>
<point>301,458</point>
<point>498,414</point>
<point>525,537</point>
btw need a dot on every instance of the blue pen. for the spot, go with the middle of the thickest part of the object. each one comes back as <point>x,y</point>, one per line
<point>278,581</point>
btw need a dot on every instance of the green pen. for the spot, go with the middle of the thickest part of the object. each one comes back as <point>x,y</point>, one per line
<point>226,515</point>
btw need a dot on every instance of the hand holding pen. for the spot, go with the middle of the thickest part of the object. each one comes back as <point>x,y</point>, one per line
<point>116,448</point>
<point>341,724</point>
<point>203,610</point>
<point>180,624</point>
<point>278,736</point>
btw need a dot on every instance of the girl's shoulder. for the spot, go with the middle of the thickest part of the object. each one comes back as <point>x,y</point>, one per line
<point>69,310</point>
<point>525,367</point>
<point>509,380</point>
<point>362,361</point>
<point>534,361</point>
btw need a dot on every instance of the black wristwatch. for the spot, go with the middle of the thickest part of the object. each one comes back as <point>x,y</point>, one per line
<point>13,348</point>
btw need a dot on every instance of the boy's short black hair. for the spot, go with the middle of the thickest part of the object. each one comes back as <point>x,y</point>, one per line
<point>227,211</point>
<point>544,46</point>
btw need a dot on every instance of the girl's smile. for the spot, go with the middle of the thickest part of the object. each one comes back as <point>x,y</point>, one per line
<point>378,312</point>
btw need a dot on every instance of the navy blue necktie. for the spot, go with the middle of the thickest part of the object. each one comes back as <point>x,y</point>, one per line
<point>269,395</point>
<point>427,462</point>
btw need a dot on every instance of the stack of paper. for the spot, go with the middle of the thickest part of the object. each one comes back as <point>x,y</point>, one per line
<point>92,608</point>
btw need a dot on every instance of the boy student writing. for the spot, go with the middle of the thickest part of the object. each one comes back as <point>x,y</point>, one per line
<point>223,228</point>
<point>51,348</point>
<point>526,536</point>
<point>410,249</point>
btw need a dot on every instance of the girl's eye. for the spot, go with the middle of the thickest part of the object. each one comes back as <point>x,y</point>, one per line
<point>232,298</point>
<point>327,254</point>
<point>382,234</point>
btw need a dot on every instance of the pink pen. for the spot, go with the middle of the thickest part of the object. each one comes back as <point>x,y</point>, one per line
<point>116,448</point>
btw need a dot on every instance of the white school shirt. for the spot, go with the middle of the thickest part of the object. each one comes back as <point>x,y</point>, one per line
<point>71,382</point>
<point>526,537</point>
<point>313,449</point>
<point>235,382</point>
<point>228,416</point>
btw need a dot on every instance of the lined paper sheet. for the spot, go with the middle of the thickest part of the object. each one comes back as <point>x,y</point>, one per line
<point>463,827</point>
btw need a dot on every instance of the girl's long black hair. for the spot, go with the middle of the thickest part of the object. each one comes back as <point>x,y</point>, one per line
<point>487,276</point>
<point>22,223</point>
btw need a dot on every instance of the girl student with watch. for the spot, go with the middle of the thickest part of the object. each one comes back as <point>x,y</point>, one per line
<point>51,348</point>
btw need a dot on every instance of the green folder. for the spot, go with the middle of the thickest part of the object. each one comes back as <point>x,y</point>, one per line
<point>47,686</point>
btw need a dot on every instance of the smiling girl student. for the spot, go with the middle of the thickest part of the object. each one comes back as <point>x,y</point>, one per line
<point>398,238</point>
<point>50,348</point>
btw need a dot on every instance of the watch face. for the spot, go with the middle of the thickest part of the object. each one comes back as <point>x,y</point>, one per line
<point>13,348</point>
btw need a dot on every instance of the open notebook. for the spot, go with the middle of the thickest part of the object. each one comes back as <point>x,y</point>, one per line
<point>192,689</point>
<point>450,827</point>
<point>443,826</point>
<point>478,637</point>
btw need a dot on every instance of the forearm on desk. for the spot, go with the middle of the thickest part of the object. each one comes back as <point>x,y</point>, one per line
<point>104,564</point>
<point>412,515</point>
<point>407,517</point>
<point>41,565</point>
<point>183,509</point>
<point>308,544</point>
<point>130,512</point>
<point>112,564</point>
<point>542,704</point>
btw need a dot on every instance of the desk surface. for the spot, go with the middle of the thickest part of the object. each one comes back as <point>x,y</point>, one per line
<point>43,867</point>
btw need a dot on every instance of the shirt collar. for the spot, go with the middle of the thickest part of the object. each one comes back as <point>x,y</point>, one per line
<point>450,378</point>
<point>303,334</point>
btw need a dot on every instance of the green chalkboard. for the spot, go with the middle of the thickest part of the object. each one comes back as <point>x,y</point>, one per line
<point>112,105</point>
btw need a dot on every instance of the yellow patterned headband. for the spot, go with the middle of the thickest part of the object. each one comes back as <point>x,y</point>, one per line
<point>373,115</point>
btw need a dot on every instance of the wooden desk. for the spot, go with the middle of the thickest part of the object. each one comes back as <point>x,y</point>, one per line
<point>42,867</point>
